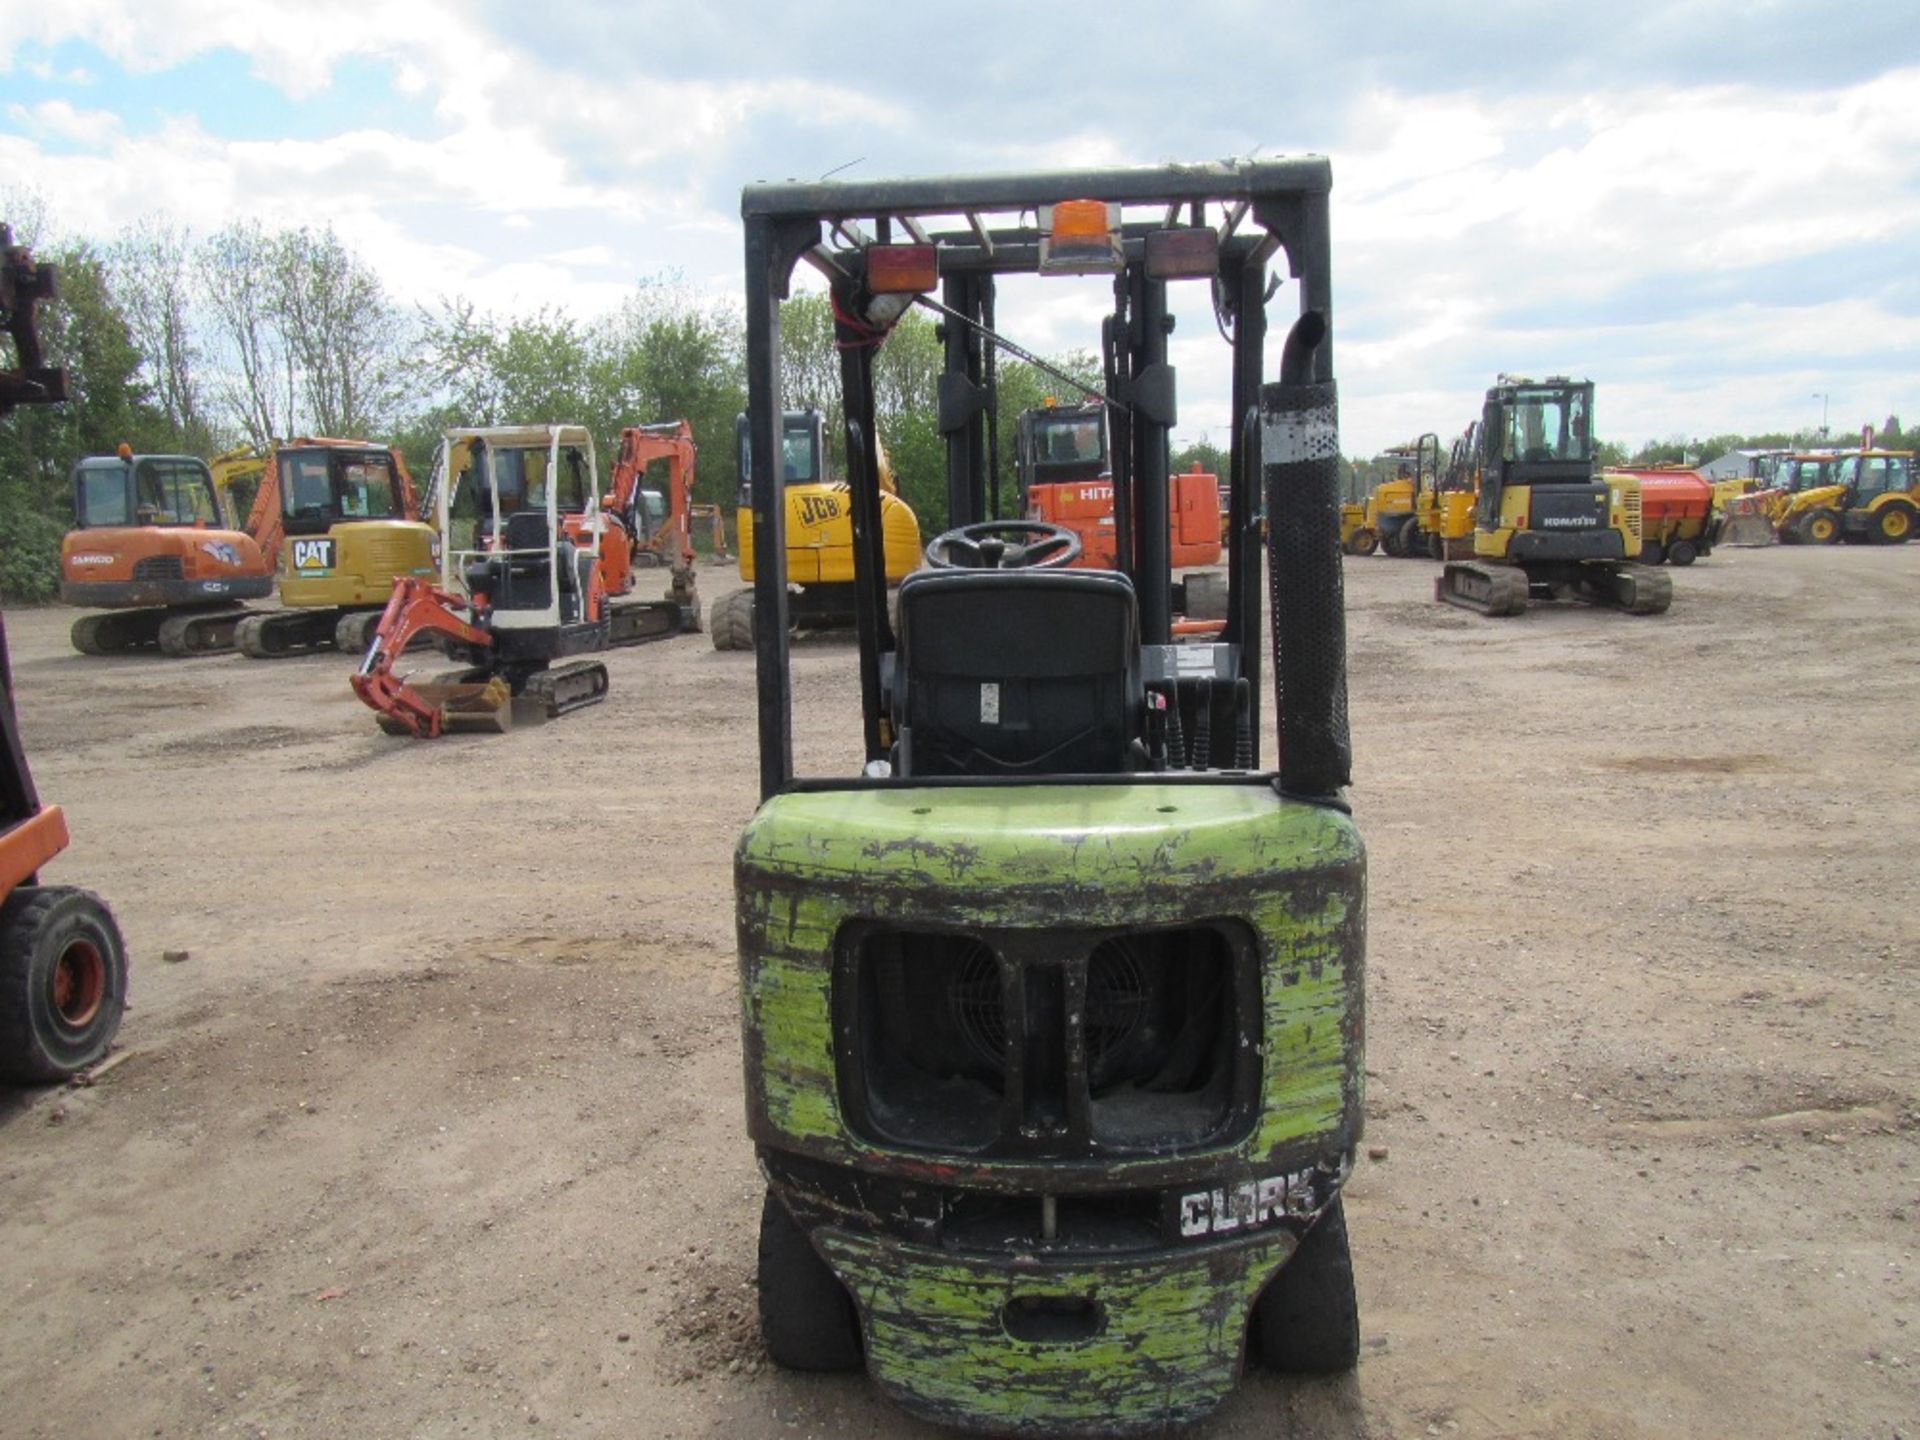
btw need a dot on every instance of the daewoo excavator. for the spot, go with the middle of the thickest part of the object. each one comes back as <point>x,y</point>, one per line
<point>344,521</point>
<point>1052,994</point>
<point>819,535</point>
<point>528,599</point>
<point>152,548</point>
<point>1066,479</point>
<point>1546,525</point>
<point>63,964</point>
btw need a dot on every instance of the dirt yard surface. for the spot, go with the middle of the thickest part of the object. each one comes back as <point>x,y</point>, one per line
<point>436,1130</point>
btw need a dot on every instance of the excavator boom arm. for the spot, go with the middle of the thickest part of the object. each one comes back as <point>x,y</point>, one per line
<point>414,607</point>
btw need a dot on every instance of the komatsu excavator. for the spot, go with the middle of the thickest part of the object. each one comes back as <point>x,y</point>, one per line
<point>1546,525</point>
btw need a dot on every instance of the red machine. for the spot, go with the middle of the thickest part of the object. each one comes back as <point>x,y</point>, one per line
<point>63,965</point>
<point>1066,480</point>
<point>630,538</point>
<point>1677,523</point>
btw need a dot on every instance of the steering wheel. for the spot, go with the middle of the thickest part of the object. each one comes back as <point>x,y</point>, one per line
<point>1004,545</point>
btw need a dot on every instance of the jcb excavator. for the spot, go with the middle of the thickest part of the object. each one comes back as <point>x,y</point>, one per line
<point>344,521</point>
<point>1546,525</point>
<point>819,525</point>
<point>529,597</point>
<point>152,547</point>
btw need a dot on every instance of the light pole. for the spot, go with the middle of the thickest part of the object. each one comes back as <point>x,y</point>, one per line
<point>1823,397</point>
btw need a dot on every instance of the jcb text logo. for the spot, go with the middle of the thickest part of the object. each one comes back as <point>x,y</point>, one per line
<point>313,554</point>
<point>818,509</point>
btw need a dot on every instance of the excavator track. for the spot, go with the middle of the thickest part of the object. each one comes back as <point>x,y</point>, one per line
<point>572,686</point>
<point>638,622</point>
<point>1632,588</point>
<point>285,632</point>
<point>200,634</point>
<point>117,633</point>
<point>1492,590</point>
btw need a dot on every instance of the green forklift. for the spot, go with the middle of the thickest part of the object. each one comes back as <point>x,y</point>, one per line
<point>1053,1003</point>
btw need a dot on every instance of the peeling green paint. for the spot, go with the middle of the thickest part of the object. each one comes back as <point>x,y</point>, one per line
<point>1167,1350</point>
<point>1040,856</point>
<point>1173,1321</point>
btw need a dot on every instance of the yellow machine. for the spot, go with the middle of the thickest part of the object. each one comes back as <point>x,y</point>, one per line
<point>819,523</point>
<point>343,519</point>
<point>1545,525</point>
<point>1867,496</point>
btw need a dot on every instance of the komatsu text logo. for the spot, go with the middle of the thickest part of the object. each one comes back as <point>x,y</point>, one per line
<point>1569,522</point>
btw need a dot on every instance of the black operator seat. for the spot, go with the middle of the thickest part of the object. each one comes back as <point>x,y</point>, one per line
<point>1018,672</point>
<point>526,577</point>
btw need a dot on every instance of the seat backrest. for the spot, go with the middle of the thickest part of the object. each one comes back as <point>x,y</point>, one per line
<point>1017,672</point>
<point>527,578</point>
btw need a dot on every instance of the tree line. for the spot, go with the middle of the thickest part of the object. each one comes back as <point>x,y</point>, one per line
<point>177,343</point>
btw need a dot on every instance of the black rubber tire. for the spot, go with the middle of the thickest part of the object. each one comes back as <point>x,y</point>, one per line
<point>1821,527</point>
<point>731,621</point>
<point>807,1319</point>
<point>1894,524</point>
<point>1652,552</point>
<point>1362,542</point>
<point>63,982</point>
<point>1307,1321</point>
<point>1436,547</point>
<point>1682,553</point>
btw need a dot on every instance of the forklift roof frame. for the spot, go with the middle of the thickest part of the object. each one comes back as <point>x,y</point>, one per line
<point>980,228</point>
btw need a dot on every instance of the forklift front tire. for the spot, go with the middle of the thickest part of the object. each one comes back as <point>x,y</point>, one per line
<point>63,982</point>
<point>1307,1321</point>
<point>807,1319</point>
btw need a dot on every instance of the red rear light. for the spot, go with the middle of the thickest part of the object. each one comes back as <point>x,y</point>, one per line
<point>902,269</point>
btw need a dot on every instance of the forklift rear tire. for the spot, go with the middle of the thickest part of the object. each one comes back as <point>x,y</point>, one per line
<point>1681,552</point>
<point>63,982</point>
<point>807,1319</point>
<point>731,621</point>
<point>1307,1321</point>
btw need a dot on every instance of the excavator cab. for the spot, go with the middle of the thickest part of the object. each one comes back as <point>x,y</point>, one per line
<point>1052,987</point>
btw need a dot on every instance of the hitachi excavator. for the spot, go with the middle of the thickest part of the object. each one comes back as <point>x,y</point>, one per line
<point>152,547</point>
<point>631,536</point>
<point>1546,525</point>
<point>1066,479</point>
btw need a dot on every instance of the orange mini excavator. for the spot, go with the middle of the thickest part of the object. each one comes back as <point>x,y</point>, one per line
<point>633,535</point>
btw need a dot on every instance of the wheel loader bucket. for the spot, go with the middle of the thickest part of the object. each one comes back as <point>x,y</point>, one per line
<point>1746,523</point>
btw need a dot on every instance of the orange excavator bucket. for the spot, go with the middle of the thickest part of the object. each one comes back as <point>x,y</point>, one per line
<point>429,708</point>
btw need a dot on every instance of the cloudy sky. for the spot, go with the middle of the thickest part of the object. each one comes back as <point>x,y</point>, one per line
<point>1711,209</point>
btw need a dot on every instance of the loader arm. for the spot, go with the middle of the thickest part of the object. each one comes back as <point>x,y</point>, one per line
<point>414,607</point>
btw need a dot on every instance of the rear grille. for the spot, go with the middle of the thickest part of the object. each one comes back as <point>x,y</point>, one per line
<point>158,567</point>
<point>1048,1044</point>
<point>1630,507</point>
<point>389,555</point>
